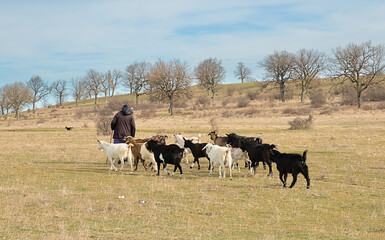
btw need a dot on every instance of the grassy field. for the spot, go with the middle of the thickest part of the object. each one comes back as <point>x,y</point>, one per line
<point>55,184</point>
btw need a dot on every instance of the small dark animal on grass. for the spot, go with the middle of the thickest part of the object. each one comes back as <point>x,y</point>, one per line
<point>69,128</point>
<point>166,154</point>
<point>291,163</point>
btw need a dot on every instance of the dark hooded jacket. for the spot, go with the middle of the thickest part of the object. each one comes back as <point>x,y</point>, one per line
<point>123,123</point>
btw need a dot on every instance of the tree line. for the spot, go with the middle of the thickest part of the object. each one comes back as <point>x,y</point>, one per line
<point>362,65</point>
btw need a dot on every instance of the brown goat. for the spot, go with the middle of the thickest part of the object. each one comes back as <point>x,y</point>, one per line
<point>221,141</point>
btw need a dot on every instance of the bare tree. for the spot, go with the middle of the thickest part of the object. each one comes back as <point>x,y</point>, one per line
<point>105,83</point>
<point>114,81</point>
<point>78,89</point>
<point>308,64</point>
<point>210,73</point>
<point>169,81</point>
<point>17,95</point>
<point>94,80</point>
<point>279,68</point>
<point>59,89</point>
<point>4,102</point>
<point>129,77</point>
<point>363,65</point>
<point>39,88</point>
<point>242,72</point>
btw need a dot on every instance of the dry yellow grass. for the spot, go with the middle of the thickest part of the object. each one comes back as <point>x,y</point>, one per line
<point>54,184</point>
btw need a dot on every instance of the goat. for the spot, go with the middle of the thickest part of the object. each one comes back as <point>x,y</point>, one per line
<point>166,154</point>
<point>116,151</point>
<point>219,155</point>
<point>258,153</point>
<point>180,142</point>
<point>235,141</point>
<point>68,128</point>
<point>196,150</point>
<point>238,154</point>
<point>220,141</point>
<point>291,163</point>
<point>137,148</point>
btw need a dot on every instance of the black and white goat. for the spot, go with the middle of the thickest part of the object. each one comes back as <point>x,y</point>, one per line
<point>291,163</point>
<point>166,154</point>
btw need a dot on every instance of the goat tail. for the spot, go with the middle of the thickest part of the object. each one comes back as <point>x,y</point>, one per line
<point>304,155</point>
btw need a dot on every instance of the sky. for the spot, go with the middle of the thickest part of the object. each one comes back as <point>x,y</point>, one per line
<point>61,40</point>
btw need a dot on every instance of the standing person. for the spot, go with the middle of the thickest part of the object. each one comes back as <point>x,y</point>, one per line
<point>123,124</point>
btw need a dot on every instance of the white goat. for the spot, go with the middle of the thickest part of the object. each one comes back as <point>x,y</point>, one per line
<point>148,155</point>
<point>118,151</point>
<point>220,156</point>
<point>180,142</point>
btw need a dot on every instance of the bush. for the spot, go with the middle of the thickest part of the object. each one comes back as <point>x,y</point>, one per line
<point>301,124</point>
<point>231,90</point>
<point>103,125</point>
<point>116,104</point>
<point>252,95</point>
<point>349,96</point>
<point>243,102</point>
<point>317,97</point>
<point>375,94</point>
<point>203,100</point>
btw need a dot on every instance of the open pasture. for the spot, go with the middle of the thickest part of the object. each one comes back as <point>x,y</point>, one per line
<point>55,184</point>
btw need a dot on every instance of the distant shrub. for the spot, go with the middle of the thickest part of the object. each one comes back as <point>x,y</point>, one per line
<point>203,100</point>
<point>375,94</point>
<point>328,111</point>
<point>243,102</point>
<point>349,96</point>
<point>103,125</point>
<point>317,97</point>
<point>252,95</point>
<point>231,90</point>
<point>227,114</point>
<point>301,124</point>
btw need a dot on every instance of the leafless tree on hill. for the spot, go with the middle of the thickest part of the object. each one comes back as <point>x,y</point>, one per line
<point>78,89</point>
<point>17,95</point>
<point>4,102</point>
<point>308,64</point>
<point>59,89</point>
<point>39,89</point>
<point>279,68</point>
<point>242,72</point>
<point>362,65</point>
<point>210,73</point>
<point>94,80</point>
<point>114,81</point>
<point>169,81</point>
<point>137,75</point>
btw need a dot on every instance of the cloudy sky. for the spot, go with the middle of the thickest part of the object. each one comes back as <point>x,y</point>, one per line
<point>63,39</point>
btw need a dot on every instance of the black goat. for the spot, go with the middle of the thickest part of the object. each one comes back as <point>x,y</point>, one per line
<point>291,163</point>
<point>166,154</point>
<point>235,141</point>
<point>258,153</point>
<point>68,128</point>
<point>196,150</point>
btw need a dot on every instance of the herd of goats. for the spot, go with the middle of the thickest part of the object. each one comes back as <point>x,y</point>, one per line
<point>224,151</point>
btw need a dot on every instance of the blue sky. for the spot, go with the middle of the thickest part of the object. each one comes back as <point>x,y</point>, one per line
<point>63,39</point>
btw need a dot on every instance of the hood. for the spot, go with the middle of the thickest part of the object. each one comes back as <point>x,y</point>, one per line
<point>126,110</point>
